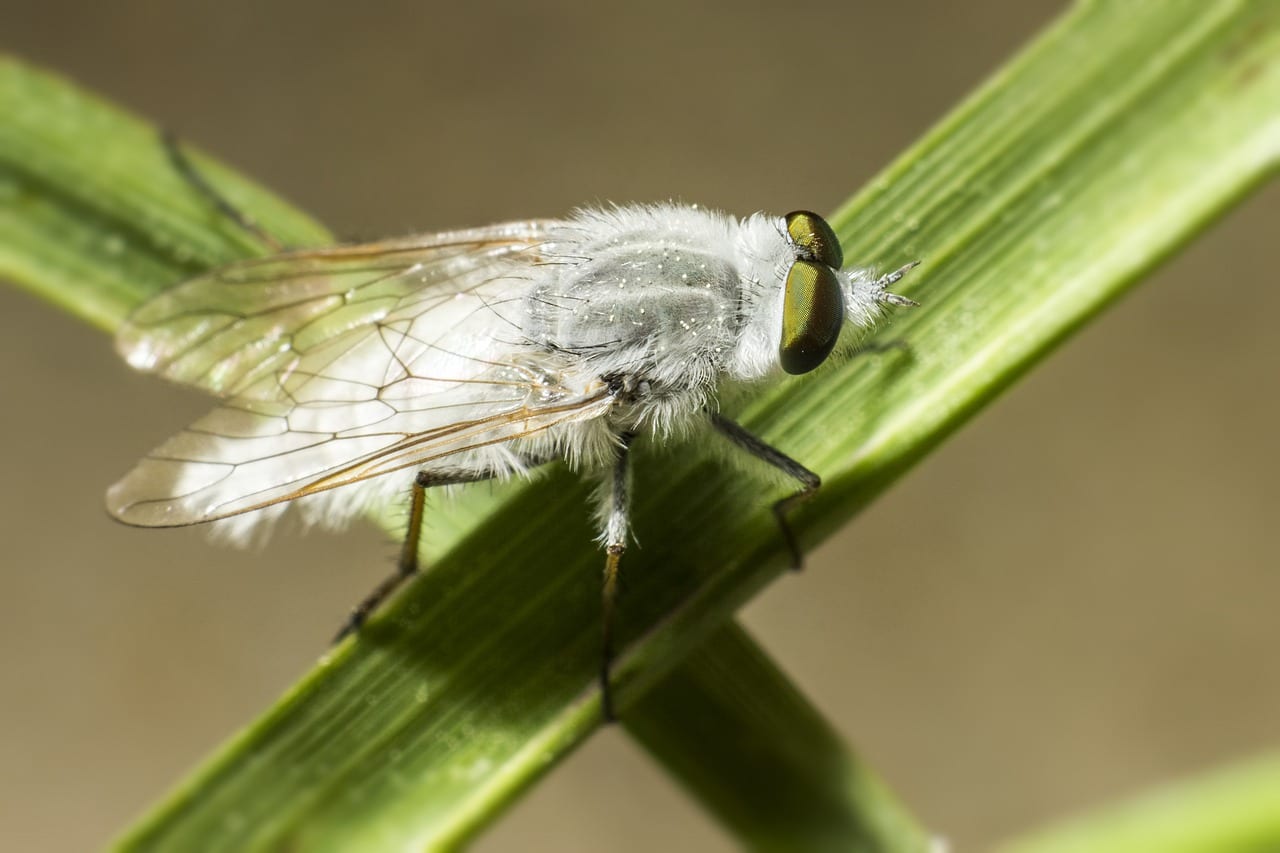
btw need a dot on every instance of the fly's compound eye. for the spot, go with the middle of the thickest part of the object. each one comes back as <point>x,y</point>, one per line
<point>812,316</point>
<point>813,239</point>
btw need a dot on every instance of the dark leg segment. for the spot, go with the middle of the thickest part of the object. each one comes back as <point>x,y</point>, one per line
<point>184,167</point>
<point>809,481</point>
<point>616,526</point>
<point>407,564</point>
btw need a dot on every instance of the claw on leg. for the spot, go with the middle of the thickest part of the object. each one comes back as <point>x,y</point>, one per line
<point>360,613</point>
<point>780,510</point>
<point>406,566</point>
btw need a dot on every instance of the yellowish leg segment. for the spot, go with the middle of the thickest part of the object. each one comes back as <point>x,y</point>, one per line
<point>609,595</point>
<point>617,524</point>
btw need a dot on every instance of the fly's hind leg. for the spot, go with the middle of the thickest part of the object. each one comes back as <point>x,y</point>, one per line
<point>809,481</point>
<point>407,563</point>
<point>617,523</point>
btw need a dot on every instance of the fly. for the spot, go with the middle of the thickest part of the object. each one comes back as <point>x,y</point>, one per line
<point>346,373</point>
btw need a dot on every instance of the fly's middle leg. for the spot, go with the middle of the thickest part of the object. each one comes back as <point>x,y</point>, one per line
<point>617,523</point>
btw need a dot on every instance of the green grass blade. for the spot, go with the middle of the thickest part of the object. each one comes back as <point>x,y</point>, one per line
<point>1234,809</point>
<point>98,228</point>
<point>1108,144</point>
<point>730,726</point>
<point>93,216</point>
<point>1100,150</point>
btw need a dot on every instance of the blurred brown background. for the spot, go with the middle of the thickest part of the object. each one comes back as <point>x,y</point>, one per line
<point>1074,599</point>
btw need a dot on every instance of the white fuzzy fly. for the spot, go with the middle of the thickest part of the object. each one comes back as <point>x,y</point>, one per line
<point>347,374</point>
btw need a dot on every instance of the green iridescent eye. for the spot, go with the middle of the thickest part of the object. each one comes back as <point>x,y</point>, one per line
<point>813,238</point>
<point>812,316</point>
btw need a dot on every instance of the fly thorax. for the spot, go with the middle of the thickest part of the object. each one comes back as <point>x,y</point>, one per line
<point>639,306</point>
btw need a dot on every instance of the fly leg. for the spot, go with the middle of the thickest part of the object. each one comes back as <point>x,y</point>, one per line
<point>617,522</point>
<point>189,173</point>
<point>407,563</point>
<point>809,481</point>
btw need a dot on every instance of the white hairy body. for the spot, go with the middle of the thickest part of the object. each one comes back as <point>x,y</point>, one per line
<point>479,353</point>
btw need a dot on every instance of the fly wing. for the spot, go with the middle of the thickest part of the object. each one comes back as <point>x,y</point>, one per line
<point>345,364</point>
<point>249,455</point>
<point>225,330</point>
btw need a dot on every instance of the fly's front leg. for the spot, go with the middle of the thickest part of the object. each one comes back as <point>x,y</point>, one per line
<point>809,481</point>
<point>617,523</point>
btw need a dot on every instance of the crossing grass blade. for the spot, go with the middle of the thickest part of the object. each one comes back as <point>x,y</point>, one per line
<point>1112,140</point>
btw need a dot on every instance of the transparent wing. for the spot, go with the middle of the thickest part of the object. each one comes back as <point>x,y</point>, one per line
<point>238,459</point>
<point>225,330</point>
<point>345,364</point>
